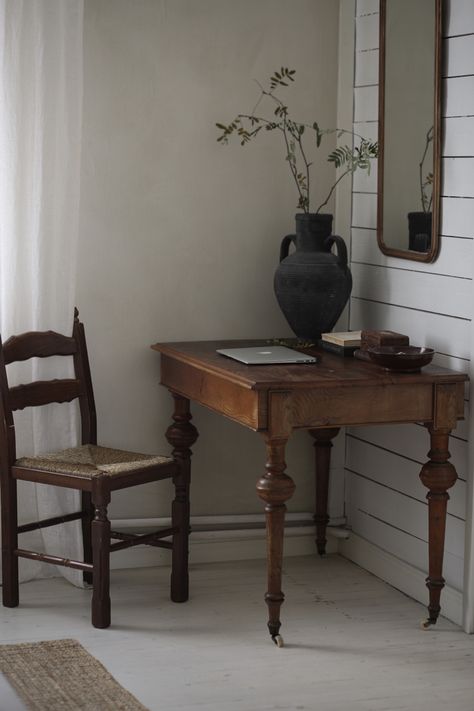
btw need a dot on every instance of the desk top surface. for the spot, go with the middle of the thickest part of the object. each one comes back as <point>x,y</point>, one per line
<point>330,370</point>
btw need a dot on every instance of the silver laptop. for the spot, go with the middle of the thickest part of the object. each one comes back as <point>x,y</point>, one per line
<point>266,355</point>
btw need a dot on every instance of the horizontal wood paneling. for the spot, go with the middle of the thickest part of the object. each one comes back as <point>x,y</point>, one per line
<point>429,292</point>
<point>431,303</point>
<point>389,469</point>
<point>443,333</point>
<point>415,440</point>
<point>368,130</point>
<point>458,177</point>
<point>366,182</point>
<point>367,68</point>
<point>457,216</point>
<point>367,32</point>
<point>403,512</point>
<point>459,93</point>
<point>367,7</point>
<point>456,255</point>
<point>416,443</point>
<point>366,103</point>
<point>459,136</point>
<point>459,17</point>
<point>364,210</point>
<point>396,541</point>
<point>459,56</point>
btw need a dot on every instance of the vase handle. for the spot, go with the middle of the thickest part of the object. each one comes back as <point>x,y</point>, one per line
<point>341,248</point>
<point>285,246</point>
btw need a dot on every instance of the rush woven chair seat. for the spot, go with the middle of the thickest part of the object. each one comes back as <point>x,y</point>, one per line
<point>94,470</point>
<point>90,460</point>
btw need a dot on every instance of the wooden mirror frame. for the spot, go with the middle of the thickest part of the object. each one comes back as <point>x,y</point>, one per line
<point>432,254</point>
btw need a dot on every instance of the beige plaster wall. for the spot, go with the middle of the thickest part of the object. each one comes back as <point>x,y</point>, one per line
<point>179,236</point>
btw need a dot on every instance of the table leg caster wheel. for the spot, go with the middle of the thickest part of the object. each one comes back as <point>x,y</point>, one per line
<point>425,624</point>
<point>278,639</point>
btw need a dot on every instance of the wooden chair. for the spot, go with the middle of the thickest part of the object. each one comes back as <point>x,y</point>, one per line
<point>95,471</point>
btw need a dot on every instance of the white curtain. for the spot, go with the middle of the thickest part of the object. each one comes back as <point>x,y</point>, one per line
<point>40,139</point>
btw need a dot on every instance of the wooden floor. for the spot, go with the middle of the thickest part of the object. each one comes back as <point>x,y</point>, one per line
<point>351,641</point>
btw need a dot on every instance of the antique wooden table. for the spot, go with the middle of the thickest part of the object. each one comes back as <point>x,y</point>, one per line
<point>274,400</point>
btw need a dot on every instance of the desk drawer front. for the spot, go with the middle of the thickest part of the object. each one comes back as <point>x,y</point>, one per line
<point>363,405</point>
<point>226,398</point>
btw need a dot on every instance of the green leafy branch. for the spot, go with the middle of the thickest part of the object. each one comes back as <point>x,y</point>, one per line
<point>427,181</point>
<point>247,126</point>
<point>351,159</point>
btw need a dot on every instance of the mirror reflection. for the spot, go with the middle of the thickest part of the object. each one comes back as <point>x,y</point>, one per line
<point>408,201</point>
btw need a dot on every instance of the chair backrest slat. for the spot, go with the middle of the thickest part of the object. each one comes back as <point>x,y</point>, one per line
<point>43,392</point>
<point>39,344</point>
<point>43,344</point>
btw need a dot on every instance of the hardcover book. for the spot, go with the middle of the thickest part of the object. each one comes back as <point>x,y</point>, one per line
<point>344,339</point>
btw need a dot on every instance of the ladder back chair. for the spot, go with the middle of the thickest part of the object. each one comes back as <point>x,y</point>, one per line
<point>93,470</point>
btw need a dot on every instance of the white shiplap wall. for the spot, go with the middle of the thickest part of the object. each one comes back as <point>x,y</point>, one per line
<point>432,303</point>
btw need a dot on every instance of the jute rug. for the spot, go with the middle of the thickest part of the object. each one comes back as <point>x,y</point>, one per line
<point>62,676</point>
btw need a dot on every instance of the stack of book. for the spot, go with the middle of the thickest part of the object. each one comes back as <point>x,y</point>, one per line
<point>341,342</point>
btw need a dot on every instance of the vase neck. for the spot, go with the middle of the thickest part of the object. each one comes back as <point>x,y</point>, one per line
<point>312,230</point>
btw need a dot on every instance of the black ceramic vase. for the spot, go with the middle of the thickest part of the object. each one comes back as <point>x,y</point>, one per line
<point>419,231</point>
<point>312,285</point>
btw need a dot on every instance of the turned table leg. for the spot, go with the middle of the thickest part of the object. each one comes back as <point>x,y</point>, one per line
<point>181,435</point>
<point>437,475</point>
<point>322,450</point>
<point>274,488</point>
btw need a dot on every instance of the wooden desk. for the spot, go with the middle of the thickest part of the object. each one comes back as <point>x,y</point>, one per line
<point>275,400</point>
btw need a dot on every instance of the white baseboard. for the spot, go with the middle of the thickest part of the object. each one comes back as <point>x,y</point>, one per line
<point>220,538</point>
<point>399,574</point>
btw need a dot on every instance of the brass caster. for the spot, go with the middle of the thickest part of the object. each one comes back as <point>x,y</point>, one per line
<point>424,624</point>
<point>278,639</point>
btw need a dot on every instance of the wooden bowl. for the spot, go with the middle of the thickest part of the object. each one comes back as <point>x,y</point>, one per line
<point>402,359</point>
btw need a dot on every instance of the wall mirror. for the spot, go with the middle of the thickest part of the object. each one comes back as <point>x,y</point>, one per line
<point>409,167</point>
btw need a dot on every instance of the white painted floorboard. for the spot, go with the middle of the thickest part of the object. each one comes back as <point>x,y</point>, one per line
<point>352,641</point>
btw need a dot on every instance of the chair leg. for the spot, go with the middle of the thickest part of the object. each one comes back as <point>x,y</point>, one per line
<point>88,516</point>
<point>100,554</point>
<point>10,591</point>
